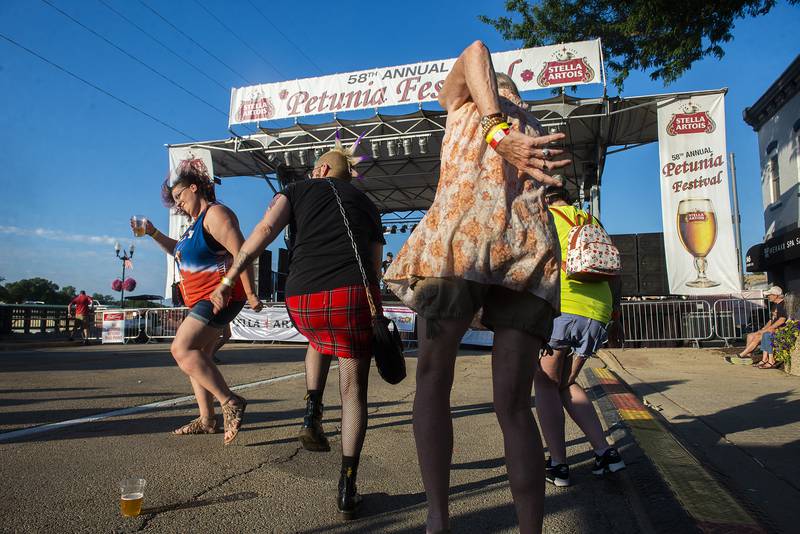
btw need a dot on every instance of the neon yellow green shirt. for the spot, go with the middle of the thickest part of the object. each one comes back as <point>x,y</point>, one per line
<point>589,299</point>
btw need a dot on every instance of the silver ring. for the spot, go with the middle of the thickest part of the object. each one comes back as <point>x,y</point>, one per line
<point>546,153</point>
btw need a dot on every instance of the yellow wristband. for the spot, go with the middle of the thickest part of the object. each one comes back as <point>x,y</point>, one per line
<point>495,128</point>
<point>226,281</point>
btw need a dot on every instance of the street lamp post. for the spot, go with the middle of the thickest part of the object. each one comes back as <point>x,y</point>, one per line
<point>125,256</point>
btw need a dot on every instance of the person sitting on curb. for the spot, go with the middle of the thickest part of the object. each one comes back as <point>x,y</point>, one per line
<point>754,338</point>
<point>586,309</point>
<point>777,319</point>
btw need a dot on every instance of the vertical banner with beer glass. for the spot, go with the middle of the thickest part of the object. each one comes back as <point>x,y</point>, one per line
<point>179,223</point>
<point>695,202</point>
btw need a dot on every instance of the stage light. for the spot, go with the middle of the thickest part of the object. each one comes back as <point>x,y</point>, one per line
<point>385,229</point>
<point>317,153</point>
<point>287,158</point>
<point>376,149</point>
<point>403,229</point>
<point>394,228</point>
<point>390,147</point>
<point>407,147</point>
<point>302,155</point>
<point>423,145</point>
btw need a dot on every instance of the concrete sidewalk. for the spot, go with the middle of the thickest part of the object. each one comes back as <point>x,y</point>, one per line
<point>66,480</point>
<point>742,424</point>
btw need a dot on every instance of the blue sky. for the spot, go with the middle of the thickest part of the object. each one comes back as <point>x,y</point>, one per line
<point>76,163</point>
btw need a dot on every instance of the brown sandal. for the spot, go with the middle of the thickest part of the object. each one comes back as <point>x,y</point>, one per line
<point>232,412</point>
<point>196,426</point>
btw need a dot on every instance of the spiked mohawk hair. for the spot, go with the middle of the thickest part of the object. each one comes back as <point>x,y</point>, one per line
<point>343,160</point>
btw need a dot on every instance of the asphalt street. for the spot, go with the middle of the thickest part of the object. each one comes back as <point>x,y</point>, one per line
<point>65,480</point>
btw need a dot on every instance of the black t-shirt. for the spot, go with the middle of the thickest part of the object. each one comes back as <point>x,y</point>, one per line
<point>320,254</point>
<point>779,310</point>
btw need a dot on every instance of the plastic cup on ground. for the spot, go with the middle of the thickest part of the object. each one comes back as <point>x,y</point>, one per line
<point>132,495</point>
<point>139,223</point>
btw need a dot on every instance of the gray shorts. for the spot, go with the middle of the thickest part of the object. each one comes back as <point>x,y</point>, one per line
<point>581,334</point>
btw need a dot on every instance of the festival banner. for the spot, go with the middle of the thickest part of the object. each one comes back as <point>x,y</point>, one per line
<point>179,223</point>
<point>269,324</point>
<point>113,327</point>
<point>544,67</point>
<point>695,202</point>
<point>404,318</point>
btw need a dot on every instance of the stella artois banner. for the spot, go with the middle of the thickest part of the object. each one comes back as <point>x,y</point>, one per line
<point>269,324</point>
<point>179,223</point>
<point>695,199</point>
<point>531,68</point>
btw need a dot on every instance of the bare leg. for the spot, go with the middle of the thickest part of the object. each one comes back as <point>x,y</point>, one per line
<point>548,404</point>
<point>753,339</point>
<point>579,407</point>
<point>205,400</point>
<point>433,424</point>
<point>317,367</point>
<point>188,350</point>
<point>513,367</point>
<point>226,336</point>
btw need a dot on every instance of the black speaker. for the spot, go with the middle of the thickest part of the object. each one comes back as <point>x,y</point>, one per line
<point>280,276</point>
<point>265,287</point>
<point>629,277</point>
<point>652,264</point>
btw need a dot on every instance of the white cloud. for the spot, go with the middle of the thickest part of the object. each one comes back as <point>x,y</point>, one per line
<point>60,235</point>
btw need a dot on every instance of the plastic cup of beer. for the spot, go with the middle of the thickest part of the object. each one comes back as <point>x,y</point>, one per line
<point>139,224</point>
<point>130,502</point>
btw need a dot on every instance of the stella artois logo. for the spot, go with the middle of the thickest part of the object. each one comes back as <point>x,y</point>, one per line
<point>257,108</point>
<point>565,68</point>
<point>692,120</point>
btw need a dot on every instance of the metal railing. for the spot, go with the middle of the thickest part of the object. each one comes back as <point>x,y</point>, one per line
<point>34,319</point>
<point>667,320</point>
<point>163,323</point>
<point>735,318</point>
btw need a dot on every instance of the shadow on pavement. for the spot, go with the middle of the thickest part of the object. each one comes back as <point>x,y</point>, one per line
<point>234,497</point>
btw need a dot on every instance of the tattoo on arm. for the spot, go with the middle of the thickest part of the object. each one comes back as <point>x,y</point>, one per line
<point>243,259</point>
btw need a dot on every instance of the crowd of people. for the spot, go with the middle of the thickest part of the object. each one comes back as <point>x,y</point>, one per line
<point>490,247</point>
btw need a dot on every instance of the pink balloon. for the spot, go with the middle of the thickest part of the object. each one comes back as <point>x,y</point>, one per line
<point>116,285</point>
<point>129,284</point>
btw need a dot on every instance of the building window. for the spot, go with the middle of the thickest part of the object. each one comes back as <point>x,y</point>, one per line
<point>773,173</point>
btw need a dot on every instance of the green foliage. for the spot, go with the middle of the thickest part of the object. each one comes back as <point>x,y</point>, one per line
<point>33,289</point>
<point>104,299</point>
<point>784,341</point>
<point>662,38</point>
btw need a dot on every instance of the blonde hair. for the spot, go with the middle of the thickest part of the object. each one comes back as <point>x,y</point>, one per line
<point>342,160</point>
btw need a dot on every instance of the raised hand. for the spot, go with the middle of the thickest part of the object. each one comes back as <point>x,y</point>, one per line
<point>531,156</point>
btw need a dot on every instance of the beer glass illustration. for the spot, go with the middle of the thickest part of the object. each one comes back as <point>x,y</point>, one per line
<point>697,228</point>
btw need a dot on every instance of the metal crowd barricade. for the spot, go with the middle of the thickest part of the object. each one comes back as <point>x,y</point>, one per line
<point>735,318</point>
<point>163,323</point>
<point>667,320</point>
<point>134,326</point>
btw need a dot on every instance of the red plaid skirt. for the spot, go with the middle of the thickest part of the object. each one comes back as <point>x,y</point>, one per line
<point>336,322</point>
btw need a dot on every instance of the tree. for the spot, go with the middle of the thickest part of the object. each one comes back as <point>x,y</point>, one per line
<point>39,289</point>
<point>65,294</point>
<point>103,299</point>
<point>664,38</point>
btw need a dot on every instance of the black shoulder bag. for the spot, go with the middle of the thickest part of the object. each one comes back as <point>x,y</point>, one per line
<point>386,343</point>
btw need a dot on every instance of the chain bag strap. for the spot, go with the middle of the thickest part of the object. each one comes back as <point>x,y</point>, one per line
<point>386,343</point>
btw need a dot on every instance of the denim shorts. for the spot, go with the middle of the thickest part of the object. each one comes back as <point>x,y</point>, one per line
<point>581,334</point>
<point>766,342</point>
<point>203,311</point>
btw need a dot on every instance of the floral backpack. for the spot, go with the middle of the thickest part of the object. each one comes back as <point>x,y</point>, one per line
<point>591,256</point>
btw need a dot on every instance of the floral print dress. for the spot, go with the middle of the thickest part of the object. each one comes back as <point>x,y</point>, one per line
<point>488,223</point>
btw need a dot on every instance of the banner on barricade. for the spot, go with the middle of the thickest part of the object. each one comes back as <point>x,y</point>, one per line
<point>179,223</point>
<point>269,324</point>
<point>543,67</point>
<point>113,327</point>
<point>404,318</point>
<point>695,204</point>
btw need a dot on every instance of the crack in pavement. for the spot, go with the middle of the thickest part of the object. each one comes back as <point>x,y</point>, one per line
<point>197,496</point>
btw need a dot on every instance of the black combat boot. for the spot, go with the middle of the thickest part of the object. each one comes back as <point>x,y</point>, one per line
<point>349,499</point>
<point>311,435</point>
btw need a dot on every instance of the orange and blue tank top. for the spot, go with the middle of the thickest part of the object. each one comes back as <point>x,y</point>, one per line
<point>202,267</point>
